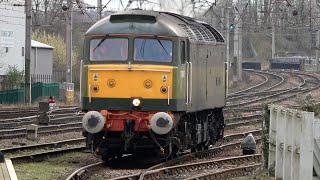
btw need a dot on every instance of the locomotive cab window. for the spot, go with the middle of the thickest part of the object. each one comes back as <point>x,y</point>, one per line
<point>108,49</point>
<point>183,52</point>
<point>153,50</point>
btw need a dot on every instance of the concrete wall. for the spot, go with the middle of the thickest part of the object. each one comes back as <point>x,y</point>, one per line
<point>12,19</point>
<point>291,148</point>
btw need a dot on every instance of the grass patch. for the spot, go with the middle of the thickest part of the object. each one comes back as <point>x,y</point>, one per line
<point>53,168</point>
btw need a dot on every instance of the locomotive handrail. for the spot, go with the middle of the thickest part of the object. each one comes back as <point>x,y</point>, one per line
<point>89,93</point>
<point>190,100</point>
<point>81,64</point>
<point>168,95</point>
<point>187,69</point>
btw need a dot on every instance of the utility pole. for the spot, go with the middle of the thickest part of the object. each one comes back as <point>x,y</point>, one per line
<point>193,8</point>
<point>99,9</point>
<point>273,41</point>
<point>317,49</point>
<point>317,38</point>
<point>235,49</point>
<point>69,43</point>
<point>238,44</point>
<point>27,77</point>
<point>240,41</point>
<point>69,86</point>
<point>228,45</point>
<point>222,17</point>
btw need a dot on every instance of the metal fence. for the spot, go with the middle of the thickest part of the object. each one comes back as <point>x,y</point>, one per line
<point>57,77</point>
<point>42,85</point>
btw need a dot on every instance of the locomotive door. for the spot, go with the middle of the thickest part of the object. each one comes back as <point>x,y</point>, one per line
<point>185,59</point>
<point>191,49</point>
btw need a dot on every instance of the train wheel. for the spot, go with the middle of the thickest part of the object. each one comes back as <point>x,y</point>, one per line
<point>200,147</point>
<point>106,158</point>
<point>194,149</point>
<point>175,152</point>
<point>206,146</point>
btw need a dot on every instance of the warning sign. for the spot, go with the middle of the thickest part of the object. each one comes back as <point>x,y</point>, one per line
<point>164,78</point>
<point>95,77</point>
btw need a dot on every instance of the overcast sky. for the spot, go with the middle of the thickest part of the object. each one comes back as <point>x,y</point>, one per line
<point>176,6</point>
<point>115,4</point>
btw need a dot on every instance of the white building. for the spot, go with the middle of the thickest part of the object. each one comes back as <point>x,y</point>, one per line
<point>12,34</point>
<point>41,58</point>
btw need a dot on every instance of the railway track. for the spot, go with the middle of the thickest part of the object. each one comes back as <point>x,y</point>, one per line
<point>182,162</point>
<point>279,95</point>
<point>191,170</point>
<point>265,79</point>
<point>42,146</point>
<point>41,155</point>
<point>20,113</point>
<point>308,84</point>
<point>55,119</point>
<point>42,130</point>
<point>266,85</point>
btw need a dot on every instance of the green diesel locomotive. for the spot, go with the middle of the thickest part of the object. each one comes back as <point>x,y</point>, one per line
<point>152,82</point>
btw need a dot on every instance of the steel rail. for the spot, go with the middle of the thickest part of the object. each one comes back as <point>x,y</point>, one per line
<point>44,145</point>
<point>252,87</point>
<point>82,172</point>
<point>240,94</point>
<point>168,172</point>
<point>278,84</point>
<point>185,158</point>
<point>32,108</point>
<point>242,109</point>
<point>243,123</point>
<point>12,133</point>
<point>27,116</point>
<point>286,95</point>
<point>242,135</point>
<point>45,154</point>
<point>55,121</point>
<point>228,173</point>
<point>242,118</point>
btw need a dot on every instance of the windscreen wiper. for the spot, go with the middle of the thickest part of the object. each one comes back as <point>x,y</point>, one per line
<point>104,38</point>
<point>161,45</point>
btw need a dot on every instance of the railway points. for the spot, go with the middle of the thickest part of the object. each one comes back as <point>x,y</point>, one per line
<point>253,120</point>
<point>189,160</point>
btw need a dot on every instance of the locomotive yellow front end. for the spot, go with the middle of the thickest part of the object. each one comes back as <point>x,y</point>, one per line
<point>128,92</point>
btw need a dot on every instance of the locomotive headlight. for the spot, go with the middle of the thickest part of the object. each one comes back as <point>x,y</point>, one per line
<point>136,102</point>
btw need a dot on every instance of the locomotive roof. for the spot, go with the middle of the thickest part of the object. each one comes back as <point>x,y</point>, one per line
<point>155,23</point>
